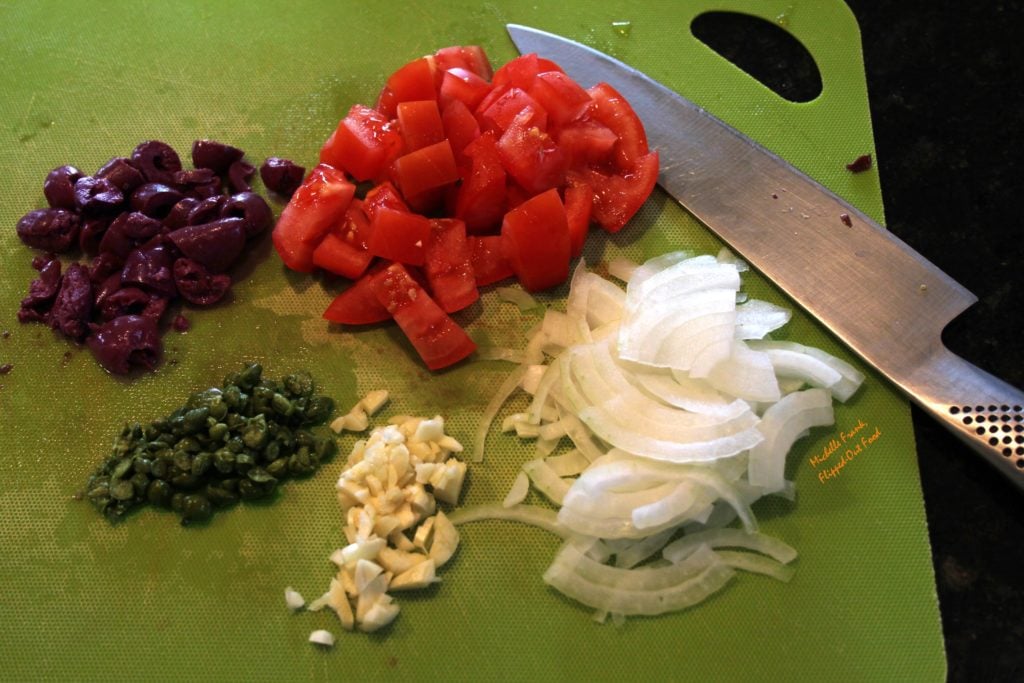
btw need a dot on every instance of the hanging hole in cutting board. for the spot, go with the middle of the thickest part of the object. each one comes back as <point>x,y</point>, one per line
<point>765,51</point>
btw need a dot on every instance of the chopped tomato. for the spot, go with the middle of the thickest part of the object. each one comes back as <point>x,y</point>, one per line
<point>438,340</point>
<point>620,195</point>
<point>489,262</point>
<point>460,127</point>
<point>448,265</point>
<point>500,113</point>
<point>426,168</point>
<point>319,203</point>
<point>420,124</point>
<point>535,240</point>
<point>463,85</point>
<point>521,71</point>
<point>343,250</point>
<point>411,82</point>
<point>578,202</point>
<point>530,156</point>
<point>471,57</point>
<point>563,98</point>
<point>399,236</point>
<point>358,304</point>
<point>586,142</point>
<point>380,196</point>
<point>480,199</point>
<point>612,110</point>
<point>364,144</point>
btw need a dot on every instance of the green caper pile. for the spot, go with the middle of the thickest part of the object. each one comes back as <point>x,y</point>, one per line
<point>224,445</point>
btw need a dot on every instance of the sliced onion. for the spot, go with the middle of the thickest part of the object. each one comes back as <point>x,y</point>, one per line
<point>780,425</point>
<point>568,464</point>
<point>517,493</point>
<point>656,591</point>
<point>757,564</point>
<point>632,552</point>
<point>756,318</point>
<point>542,518</point>
<point>546,480</point>
<point>622,268</point>
<point>746,374</point>
<point>500,353</point>
<point>519,297</point>
<point>506,389</point>
<point>729,538</point>
<point>844,389</point>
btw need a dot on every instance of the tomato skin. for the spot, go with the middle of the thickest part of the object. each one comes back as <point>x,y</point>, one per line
<point>579,200</point>
<point>420,124</point>
<point>319,203</point>
<point>612,110</point>
<point>489,262</point>
<point>481,198</point>
<point>399,236</point>
<point>530,156</point>
<point>535,240</point>
<point>426,168</point>
<point>521,71</point>
<point>448,265</point>
<point>358,304</point>
<point>414,81</point>
<point>438,340</point>
<point>618,196</point>
<point>364,144</point>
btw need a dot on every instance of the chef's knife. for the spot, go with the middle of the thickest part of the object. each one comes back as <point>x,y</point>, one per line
<point>876,294</point>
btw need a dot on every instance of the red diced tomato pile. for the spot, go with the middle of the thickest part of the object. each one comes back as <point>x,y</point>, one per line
<point>476,176</point>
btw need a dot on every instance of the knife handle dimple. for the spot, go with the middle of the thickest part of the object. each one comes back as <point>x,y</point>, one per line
<point>984,411</point>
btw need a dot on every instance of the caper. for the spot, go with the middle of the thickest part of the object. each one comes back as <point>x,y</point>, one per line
<point>177,501</point>
<point>278,468</point>
<point>220,497</point>
<point>142,465</point>
<point>249,377</point>
<point>122,490</point>
<point>201,464</point>
<point>299,384</point>
<point>281,405</point>
<point>318,409</point>
<point>260,475</point>
<point>140,482</point>
<point>218,432</point>
<point>195,508</point>
<point>224,460</point>
<point>254,434</point>
<point>159,493</point>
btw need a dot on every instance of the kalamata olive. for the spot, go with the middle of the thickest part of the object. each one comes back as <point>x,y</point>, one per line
<point>282,176</point>
<point>59,187</point>
<point>102,290</point>
<point>50,229</point>
<point>128,231</point>
<point>41,292</point>
<point>155,199</point>
<point>122,173</point>
<point>215,245</point>
<point>177,217</point>
<point>73,304</point>
<point>250,207</point>
<point>214,155</point>
<point>103,266</point>
<point>151,266</point>
<point>207,210</point>
<point>238,176</point>
<point>96,196</point>
<point>196,285</point>
<point>122,301</point>
<point>126,342</point>
<point>91,233</point>
<point>157,160</point>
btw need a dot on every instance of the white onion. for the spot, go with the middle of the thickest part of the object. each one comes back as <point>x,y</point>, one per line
<point>756,318</point>
<point>782,423</point>
<point>506,389</point>
<point>517,296</point>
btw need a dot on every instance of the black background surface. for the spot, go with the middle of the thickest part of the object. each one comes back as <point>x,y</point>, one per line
<point>944,82</point>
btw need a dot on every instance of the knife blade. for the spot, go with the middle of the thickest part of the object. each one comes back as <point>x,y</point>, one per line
<point>881,298</point>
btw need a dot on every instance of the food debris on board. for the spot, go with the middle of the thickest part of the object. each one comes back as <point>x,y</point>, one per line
<point>860,164</point>
<point>476,176</point>
<point>680,410</point>
<point>154,231</point>
<point>397,537</point>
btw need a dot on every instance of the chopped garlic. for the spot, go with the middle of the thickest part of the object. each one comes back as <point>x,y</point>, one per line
<point>322,637</point>
<point>388,494</point>
<point>294,601</point>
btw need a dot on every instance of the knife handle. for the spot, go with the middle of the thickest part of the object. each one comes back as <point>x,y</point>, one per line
<point>983,410</point>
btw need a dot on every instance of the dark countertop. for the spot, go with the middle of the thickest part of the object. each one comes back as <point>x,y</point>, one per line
<point>947,109</point>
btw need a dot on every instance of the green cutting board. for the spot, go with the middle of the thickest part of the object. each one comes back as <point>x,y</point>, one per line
<point>150,600</point>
